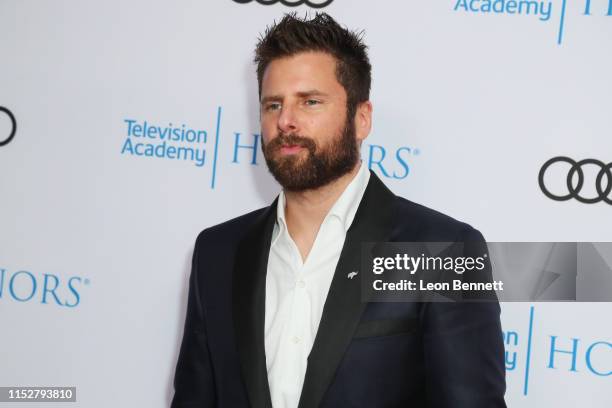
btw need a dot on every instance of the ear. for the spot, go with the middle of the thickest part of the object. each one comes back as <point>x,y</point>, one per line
<point>363,120</point>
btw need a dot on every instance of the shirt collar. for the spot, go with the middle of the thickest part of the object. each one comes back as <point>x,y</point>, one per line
<point>344,208</point>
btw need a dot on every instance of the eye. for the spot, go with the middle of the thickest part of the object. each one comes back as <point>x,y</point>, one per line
<point>312,102</point>
<point>272,106</point>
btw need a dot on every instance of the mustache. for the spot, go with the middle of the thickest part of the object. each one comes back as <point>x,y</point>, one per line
<point>291,139</point>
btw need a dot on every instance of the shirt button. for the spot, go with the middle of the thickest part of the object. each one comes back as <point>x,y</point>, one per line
<point>301,284</point>
<point>295,340</point>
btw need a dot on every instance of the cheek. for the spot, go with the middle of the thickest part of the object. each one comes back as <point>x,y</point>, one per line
<point>325,129</point>
<point>269,129</point>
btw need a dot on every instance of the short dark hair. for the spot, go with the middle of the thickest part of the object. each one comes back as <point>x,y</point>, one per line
<point>293,35</point>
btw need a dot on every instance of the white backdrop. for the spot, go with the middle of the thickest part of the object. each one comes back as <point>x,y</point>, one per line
<point>96,240</point>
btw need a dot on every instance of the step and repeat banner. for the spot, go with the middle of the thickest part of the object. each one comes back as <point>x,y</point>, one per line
<point>128,127</point>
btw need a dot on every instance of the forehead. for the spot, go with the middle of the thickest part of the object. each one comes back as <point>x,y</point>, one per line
<point>301,72</point>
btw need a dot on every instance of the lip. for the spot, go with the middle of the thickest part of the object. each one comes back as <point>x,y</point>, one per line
<point>290,149</point>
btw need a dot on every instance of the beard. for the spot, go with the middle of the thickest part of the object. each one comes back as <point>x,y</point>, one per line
<point>322,165</point>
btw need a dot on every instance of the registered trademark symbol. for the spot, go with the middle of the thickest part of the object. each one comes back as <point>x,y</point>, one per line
<point>86,281</point>
<point>485,255</point>
<point>416,152</point>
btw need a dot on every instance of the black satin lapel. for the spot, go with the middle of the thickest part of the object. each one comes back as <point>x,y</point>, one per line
<point>248,301</point>
<point>343,306</point>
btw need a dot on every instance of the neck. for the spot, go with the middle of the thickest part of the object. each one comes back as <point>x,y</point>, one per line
<point>307,209</point>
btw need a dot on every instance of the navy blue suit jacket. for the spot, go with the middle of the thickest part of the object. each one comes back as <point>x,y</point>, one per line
<point>365,354</point>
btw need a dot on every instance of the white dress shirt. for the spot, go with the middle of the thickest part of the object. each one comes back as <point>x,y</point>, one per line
<point>296,291</point>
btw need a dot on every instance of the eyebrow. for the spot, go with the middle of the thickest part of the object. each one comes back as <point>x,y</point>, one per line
<point>303,94</point>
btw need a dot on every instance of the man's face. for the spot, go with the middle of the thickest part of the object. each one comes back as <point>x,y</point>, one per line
<point>308,140</point>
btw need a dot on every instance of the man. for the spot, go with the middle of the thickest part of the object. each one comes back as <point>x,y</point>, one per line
<point>273,317</point>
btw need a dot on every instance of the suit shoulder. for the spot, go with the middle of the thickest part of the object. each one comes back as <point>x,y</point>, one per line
<point>431,224</point>
<point>231,230</point>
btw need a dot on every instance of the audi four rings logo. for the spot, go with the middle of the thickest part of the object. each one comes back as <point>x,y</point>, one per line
<point>11,134</point>
<point>604,175</point>
<point>289,3</point>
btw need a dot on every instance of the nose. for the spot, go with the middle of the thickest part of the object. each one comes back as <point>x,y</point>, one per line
<point>287,120</point>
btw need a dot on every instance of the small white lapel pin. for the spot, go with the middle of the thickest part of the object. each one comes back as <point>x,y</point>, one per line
<point>352,275</point>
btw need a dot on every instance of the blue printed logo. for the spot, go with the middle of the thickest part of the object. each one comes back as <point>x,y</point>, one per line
<point>540,10</point>
<point>164,142</point>
<point>45,288</point>
<point>389,162</point>
<point>563,353</point>
<point>167,141</point>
